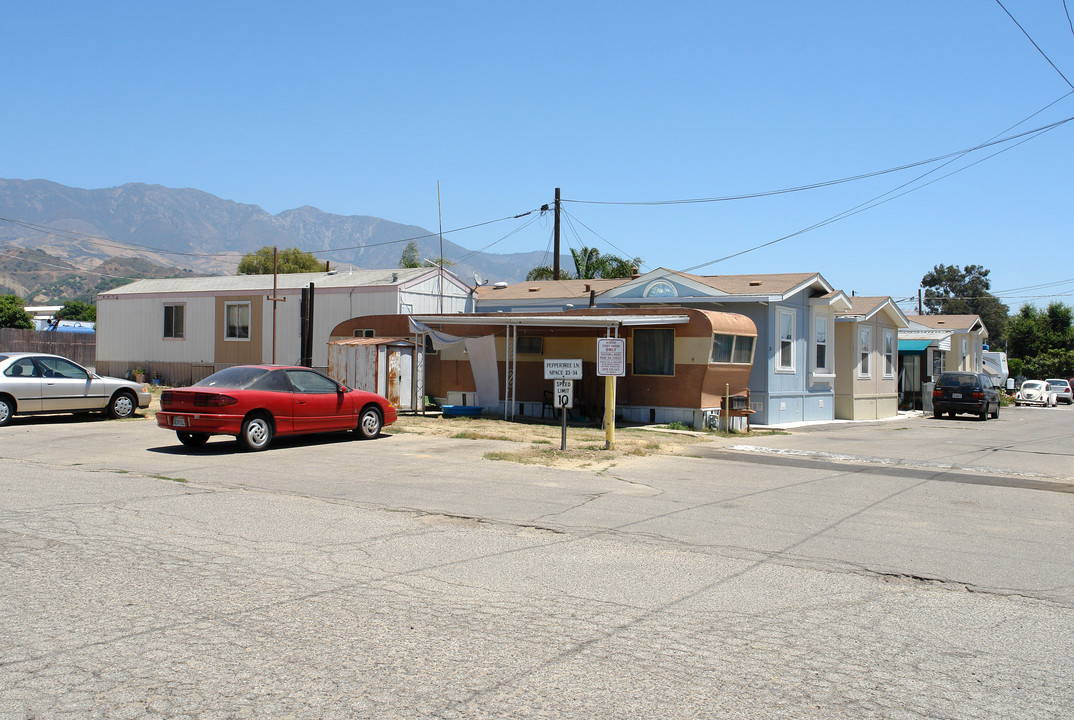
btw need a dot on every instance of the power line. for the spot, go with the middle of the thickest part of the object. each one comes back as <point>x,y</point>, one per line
<point>829,183</point>
<point>1043,54</point>
<point>518,229</point>
<point>1041,286</point>
<point>876,201</point>
<point>625,255</point>
<point>69,268</point>
<point>109,242</point>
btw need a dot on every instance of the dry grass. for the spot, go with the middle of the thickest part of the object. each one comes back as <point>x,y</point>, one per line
<point>536,443</point>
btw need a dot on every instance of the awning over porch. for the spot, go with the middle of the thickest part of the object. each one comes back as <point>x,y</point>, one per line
<point>913,347</point>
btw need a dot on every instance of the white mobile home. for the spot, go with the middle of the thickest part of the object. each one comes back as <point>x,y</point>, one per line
<point>184,329</point>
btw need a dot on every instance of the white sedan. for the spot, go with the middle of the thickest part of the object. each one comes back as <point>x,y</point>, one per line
<point>33,383</point>
<point>1036,392</point>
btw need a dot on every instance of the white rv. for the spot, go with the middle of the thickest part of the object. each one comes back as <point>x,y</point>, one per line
<point>995,366</point>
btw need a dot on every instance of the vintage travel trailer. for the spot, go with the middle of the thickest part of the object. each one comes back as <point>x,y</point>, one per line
<point>682,364</point>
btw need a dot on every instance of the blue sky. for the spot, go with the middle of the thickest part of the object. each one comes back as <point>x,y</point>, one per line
<point>362,108</point>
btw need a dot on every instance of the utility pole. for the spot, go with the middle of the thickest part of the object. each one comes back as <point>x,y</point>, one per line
<point>919,302</point>
<point>275,298</point>
<point>555,242</point>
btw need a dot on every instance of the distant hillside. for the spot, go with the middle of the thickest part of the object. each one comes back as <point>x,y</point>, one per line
<point>44,279</point>
<point>131,219</point>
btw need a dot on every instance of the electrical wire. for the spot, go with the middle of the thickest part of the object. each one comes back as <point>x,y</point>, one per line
<point>518,229</point>
<point>1043,54</point>
<point>109,242</point>
<point>69,268</point>
<point>829,183</point>
<point>625,255</point>
<point>1041,286</point>
<point>877,201</point>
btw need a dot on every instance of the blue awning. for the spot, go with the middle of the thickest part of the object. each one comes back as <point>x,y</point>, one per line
<point>911,347</point>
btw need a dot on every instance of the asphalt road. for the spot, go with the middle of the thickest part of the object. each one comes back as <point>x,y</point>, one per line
<point>910,569</point>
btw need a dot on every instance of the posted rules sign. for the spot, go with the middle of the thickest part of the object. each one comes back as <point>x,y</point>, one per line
<point>611,357</point>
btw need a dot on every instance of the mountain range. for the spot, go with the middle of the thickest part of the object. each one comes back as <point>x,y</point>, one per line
<point>59,243</point>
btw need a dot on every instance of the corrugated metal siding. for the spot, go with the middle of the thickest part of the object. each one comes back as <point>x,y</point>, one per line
<point>330,308</point>
<point>425,298</point>
<point>132,330</point>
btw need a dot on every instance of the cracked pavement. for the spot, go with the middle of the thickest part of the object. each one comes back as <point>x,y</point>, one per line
<point>410,578</point>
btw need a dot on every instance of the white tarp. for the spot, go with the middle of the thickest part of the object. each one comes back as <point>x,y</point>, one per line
<point>482,354</point>
<point>440,340</point>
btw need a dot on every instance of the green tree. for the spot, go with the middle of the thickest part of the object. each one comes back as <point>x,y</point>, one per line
<point>1034,333</point>
<point>546,272</point>
<point>410,258</point>
<point>951,290</point>
<point>288,261</point>
<point>77,310</point>
<point>1054,363</point>
<point>589,264</point>
<point>13,313</point>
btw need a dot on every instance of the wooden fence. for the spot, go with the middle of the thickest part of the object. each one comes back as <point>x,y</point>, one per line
<point>80,347</point>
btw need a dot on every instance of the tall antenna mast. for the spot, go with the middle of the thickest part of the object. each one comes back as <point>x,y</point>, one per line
<point>440,260</point>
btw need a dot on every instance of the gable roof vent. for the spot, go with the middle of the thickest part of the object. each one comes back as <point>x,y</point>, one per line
<point>755,283</point>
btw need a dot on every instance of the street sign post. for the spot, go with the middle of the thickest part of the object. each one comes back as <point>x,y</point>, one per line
<point>611,363</point>
<point>563,398</point>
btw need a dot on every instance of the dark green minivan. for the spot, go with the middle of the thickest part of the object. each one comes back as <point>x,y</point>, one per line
<point>965,392</point>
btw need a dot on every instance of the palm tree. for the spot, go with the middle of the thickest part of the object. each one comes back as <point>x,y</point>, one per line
<point>589,264</point>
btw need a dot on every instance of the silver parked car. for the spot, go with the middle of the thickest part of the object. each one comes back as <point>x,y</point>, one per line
<point>1063,393</point>
<point>43,383</point>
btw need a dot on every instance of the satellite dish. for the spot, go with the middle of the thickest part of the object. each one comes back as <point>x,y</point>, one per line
<point>478,280</point>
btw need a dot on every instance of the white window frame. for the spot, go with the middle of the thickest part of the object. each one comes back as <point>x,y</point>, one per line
<point>182,328</point>
<point>889,354</point>
<point>865,351</point>
<point>249,320</point>
<point>826,368</point>
<point>780,339</point>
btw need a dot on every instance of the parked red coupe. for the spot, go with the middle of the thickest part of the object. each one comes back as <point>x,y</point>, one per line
<point>257,402</point>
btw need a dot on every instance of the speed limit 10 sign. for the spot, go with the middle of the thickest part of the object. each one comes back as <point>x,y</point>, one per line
<point>564,394</point>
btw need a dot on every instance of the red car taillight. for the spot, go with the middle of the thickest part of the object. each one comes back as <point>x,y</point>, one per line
<point>978,395</point>
<point>213,400</point>
<point>937,393</point>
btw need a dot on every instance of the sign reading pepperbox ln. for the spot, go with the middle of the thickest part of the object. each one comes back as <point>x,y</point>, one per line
<point>562,369</point>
